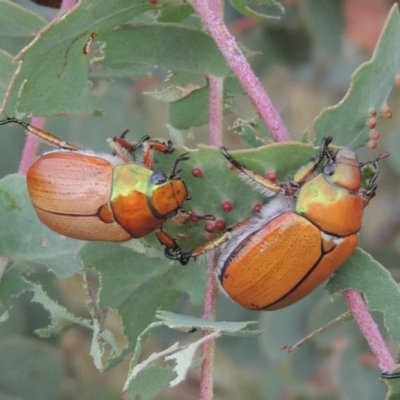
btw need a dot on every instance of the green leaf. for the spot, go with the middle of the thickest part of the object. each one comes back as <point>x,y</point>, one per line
<point>134,50</point>
<point>192,281</point>
<point>103,340</point>
<point>29,241</point>
<point>12,284</point>
<point>357,381</point>
<point>133,284</point>
<point>61,318</point>
<point>392,380</point>
<point>252,132</point>
<point>30,369</point>
<point>149,383</point>
<point>243,7</point>
<point>18,26</point>
<point>174,13</point>
<point>7,68</point>
<point>183,356</point>
<point>361,272</point>
<point>55,65</point>
<point>189,101</point>
<point>326,24</point>
<point>17,21</point>
<point>369,90</point>
<point>185,323</point>
<point>192,110</point>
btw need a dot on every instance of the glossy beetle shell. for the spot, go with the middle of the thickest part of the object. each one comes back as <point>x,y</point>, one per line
<point>87,197</point>
<point>282,262</point>
<point>297,241</point>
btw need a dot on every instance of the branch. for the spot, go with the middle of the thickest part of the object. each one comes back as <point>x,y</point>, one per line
<point>369,329</point>
<point>241,68</point>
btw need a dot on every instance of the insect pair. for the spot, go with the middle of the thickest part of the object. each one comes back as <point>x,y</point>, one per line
<point>269,261</point>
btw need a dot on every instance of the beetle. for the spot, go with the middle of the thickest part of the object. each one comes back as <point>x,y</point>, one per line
<point>103,197</point>
<point>298,239</point>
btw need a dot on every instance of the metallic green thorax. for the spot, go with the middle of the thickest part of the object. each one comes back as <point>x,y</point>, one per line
<point>319,190</point>
<point>129,178</point>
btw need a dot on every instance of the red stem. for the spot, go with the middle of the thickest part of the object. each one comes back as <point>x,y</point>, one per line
<point>241,68</point>
<point>216,110</point>
<point>215,139</point>
<point>370,330</point>
<point>207,366</point>
<point>66,5</point>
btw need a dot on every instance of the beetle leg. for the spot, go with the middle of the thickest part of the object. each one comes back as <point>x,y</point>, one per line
<point>140,152</point>
<point>161,147</point>
<point>124,148</point>
<point>260,183</point>
<point>118,148</point>
<point>41,134</point>
<point>304,173</point>
<point>208,245</point>
<point>185,257</point>
<point>172,249</point>
<point>127,150</point>
<point>390,375</point>
<point>192,214</point>
<point>150,145</point>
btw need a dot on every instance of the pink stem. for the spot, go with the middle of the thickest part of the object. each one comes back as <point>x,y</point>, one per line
<point>216,110</point>
<point>215,139</point>
<point>369,329</point>
<point>207,366</point>
<point>66,5</point>
<point>241,68</point>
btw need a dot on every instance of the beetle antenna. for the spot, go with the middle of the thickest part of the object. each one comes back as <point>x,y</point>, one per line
<point>41,134</point>
<point>325,152</point>
<point>175,171</point>
<point>235,163</point>
<point>385,154</point>
<point>10,120</point>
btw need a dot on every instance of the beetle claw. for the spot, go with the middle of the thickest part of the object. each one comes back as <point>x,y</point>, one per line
<point>175,253</point>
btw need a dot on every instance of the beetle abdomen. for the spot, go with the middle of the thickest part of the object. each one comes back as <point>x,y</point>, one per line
<point>83,227</point>
<point>70,183</point>
<point>265,272</point>
<point>68,189</point>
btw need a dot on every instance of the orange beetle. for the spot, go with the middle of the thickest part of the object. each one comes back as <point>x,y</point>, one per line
<point>300,237</point>
<point>82,195</point>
